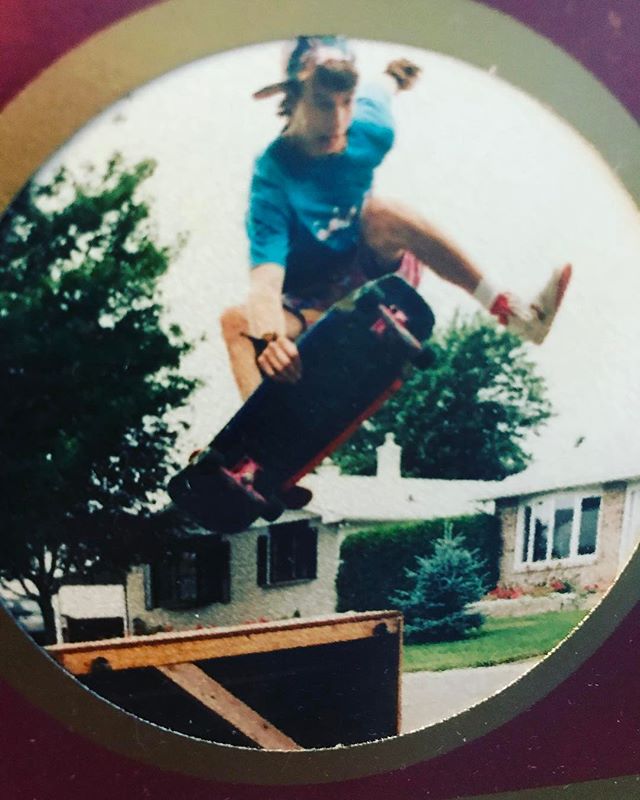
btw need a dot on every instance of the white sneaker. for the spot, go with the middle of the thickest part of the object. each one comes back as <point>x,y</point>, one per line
<point>533,322</point>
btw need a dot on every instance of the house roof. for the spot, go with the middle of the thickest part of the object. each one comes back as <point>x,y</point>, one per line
<point>388,497</point>
<point>83,601</point>
<point>574,465</point>
<point>287,516</point>
<point>379,498</point>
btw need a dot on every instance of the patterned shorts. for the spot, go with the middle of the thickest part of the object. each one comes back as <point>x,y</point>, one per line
<point>364,267</point>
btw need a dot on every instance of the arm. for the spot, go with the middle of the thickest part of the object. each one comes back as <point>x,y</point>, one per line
<point>268,222</point>
<point>279,360</point>
<point>264,302</point>
<point>376,96</point>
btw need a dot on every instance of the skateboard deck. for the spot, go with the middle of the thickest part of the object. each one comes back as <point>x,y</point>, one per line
<point>353,359</point>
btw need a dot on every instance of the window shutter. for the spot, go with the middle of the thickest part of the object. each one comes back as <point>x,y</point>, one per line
<point>159,583</point>
<point>312,557</point>
<point>526,533</point>
<point>149,581</point>
<point>214,573</point>
<point>262,555</point>
<point>225,571</point>
<point>206,572</point>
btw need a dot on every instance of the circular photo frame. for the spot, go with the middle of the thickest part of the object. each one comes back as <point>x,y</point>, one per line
<point>482,43</point>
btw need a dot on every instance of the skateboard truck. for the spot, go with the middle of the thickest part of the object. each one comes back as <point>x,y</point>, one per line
<point>395,319</point>
<point>243,475</point>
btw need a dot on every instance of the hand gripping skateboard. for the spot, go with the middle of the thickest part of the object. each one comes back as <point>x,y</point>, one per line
<point>353,359</point>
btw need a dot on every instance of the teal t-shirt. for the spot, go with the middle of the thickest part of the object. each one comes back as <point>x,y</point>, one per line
<point>304,211</point>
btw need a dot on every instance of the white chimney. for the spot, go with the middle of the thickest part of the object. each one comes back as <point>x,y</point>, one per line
<point>389,455</point>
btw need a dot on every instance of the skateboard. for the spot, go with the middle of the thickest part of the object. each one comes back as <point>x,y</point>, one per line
<point>353,358</point>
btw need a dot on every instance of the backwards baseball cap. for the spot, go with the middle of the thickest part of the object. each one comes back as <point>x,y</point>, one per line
<point>303,55</point>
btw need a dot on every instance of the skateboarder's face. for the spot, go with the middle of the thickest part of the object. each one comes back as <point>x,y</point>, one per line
<point>321,119</point>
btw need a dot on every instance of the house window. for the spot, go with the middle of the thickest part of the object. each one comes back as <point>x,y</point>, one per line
<point>288,553</point>
<point>191,577</point>
<point>558,528</point>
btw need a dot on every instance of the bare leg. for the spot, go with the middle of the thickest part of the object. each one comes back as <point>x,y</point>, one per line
<point>242,357</point>
<point>389,228</point>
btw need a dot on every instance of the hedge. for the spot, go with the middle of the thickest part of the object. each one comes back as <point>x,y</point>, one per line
<point>373,560</point>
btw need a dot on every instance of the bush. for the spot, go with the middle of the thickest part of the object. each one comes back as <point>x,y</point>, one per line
<point>374,561</point>
<point>442,586</point>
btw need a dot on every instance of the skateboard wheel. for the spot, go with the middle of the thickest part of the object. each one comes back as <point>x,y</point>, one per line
<point>425,359</point>
<point>273,509</point>
<point>296,497</point>
<point>177,488</point>
<point>208,461</point>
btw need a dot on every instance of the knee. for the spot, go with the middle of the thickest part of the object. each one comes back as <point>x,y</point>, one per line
<point>234,323</point>
<point>380,223</point>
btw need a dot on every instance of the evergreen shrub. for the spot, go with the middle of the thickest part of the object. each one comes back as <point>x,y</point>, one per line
<point>375,560</point>
<point>442,586</point>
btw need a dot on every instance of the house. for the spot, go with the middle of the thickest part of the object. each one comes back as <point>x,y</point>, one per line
<point>85,612</point>
<point>576,517</point>
<point>275,571</point>
<point>270,571</point>
<point>287,568</point>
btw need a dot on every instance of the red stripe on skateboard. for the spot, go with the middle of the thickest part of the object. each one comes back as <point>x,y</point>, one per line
<point>368,412</point>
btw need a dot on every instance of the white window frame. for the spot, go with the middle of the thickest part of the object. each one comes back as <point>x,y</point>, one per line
<point>629,539</point>
<point>550,501</point>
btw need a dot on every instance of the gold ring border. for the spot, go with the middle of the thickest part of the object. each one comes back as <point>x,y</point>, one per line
<point>158,39</point>
<point>621,788</point>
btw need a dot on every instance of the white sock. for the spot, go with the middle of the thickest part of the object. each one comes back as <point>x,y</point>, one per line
<point>485,293</point>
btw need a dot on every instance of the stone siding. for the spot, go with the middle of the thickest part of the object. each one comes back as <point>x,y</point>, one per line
<point>524,606</point>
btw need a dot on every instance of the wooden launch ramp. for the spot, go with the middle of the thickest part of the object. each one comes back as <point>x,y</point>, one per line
<point>293,684</point>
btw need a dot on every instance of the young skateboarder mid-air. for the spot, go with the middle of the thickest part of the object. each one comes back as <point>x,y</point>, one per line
<point>317,232</point>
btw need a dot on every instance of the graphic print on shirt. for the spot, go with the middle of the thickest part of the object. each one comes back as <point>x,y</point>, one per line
<point>339,221</point>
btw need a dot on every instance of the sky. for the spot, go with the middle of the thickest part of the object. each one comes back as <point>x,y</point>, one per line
<point>506,178</point>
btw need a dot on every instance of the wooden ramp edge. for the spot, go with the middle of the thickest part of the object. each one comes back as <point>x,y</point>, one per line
<point>163,649</point>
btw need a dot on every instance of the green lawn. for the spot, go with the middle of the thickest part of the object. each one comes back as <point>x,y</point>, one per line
<point>497,642</point>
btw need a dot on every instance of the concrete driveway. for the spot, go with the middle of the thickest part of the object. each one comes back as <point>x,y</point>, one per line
<point>429,697</point>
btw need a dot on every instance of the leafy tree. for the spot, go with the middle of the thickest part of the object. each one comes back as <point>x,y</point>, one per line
<point>442,586</point>
<point>467,416</point>
<point>88,374</point>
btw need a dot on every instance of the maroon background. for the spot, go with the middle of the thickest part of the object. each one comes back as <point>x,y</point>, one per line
<point>604,36</point>
<point>588,728</point>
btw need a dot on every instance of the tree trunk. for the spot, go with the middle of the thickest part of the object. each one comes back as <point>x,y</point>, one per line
<point>46,608</point>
